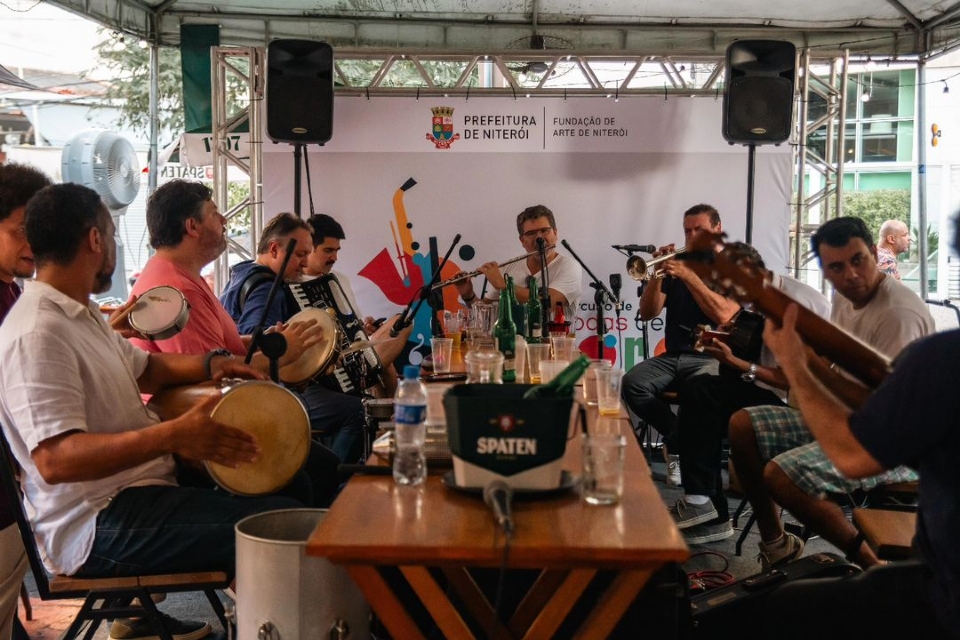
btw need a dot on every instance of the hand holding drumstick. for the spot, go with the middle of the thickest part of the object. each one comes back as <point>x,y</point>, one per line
<point>119,319</point>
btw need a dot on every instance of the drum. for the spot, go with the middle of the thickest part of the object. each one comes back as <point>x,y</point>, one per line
<point>321,357</point>
<point>160,313</point>
<point>274,415</point>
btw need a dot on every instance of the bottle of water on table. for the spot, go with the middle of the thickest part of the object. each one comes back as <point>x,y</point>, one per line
<point>410,415</point>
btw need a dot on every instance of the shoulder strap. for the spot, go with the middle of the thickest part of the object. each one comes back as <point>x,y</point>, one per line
<point>254,279</point>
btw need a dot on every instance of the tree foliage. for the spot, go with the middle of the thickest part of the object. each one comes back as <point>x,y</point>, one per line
<point>875,207</point>
<point>128,67</point>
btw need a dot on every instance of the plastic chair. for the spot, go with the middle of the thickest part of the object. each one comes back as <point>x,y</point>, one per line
<point>104,598</point>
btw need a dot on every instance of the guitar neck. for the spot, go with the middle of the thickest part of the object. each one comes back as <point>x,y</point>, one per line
<point>828,340</point>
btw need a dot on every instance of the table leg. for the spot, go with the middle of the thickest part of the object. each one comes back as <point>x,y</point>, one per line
<point>477,604</point>
<point>557,608</point>
<point>536,599</point>
<point>613,604</point>
<point>436,602</point>
<point>384,602</point>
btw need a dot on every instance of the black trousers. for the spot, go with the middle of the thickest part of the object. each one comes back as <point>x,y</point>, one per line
<point>706,404</point>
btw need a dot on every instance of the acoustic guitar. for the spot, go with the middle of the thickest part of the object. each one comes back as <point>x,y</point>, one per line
<point>737,276</point>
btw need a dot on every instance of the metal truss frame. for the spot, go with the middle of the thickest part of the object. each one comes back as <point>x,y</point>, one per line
<point>694,75</point>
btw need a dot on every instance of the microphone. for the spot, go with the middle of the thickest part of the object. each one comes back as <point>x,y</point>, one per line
<point>637,248</point>
<point>498,495</point>
<point>615,283</point>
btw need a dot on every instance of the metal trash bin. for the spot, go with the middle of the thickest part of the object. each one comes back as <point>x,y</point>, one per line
<point>284,594</point>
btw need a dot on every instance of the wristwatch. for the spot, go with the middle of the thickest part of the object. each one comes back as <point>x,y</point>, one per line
<point>208,360</point>
<point>750,375</point>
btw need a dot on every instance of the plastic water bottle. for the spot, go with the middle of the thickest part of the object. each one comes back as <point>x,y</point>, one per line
<point>410,431</point>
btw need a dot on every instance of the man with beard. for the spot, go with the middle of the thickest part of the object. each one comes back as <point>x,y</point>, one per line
<point>187,231</point>
<point>98,469</point>
<point>17,184</point>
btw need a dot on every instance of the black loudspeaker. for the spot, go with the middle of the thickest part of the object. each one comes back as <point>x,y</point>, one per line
<point>299,91</point>
<point>758,92</point>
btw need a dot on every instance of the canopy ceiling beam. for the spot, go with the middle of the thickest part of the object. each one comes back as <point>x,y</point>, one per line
<point>906,13</point>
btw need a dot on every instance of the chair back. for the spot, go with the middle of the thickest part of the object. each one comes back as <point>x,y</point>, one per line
<point>11,486</point>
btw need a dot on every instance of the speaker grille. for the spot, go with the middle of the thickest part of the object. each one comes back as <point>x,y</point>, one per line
<point>760,109</point>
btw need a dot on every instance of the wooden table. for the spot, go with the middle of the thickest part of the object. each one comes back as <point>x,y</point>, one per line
<point>374,525</point>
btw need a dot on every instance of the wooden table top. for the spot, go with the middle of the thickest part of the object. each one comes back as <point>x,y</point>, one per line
<point>373,521</point>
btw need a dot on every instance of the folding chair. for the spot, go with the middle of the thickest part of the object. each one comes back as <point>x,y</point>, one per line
<point>104,598</point>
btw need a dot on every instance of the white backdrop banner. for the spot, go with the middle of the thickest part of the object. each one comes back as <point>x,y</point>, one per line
<point>404,175</point>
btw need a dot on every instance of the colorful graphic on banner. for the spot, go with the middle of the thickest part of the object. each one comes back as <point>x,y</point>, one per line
<point>442,135</point>
<point>401,282</point>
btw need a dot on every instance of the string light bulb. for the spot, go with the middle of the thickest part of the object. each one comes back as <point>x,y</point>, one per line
<point>946,87</point>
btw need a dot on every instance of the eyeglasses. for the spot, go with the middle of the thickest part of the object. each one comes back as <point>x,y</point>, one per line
<point>537,232</point>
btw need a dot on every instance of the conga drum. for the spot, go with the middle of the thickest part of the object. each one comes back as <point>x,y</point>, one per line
<point>271,413</point>
<point>160,313</point>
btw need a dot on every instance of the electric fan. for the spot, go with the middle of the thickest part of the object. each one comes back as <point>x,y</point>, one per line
<point>106,163</point>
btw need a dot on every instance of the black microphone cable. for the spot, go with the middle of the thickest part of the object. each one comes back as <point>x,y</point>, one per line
<point>501,578</point>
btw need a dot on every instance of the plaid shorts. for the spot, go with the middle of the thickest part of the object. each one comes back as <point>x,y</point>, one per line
<point>783,437</point>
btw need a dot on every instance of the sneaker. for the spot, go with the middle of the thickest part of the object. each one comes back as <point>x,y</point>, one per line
<point>687,515</point>
<point>142,629</point>
<point>783,552</point>
<point>673,468</point>
<point>708,532</point>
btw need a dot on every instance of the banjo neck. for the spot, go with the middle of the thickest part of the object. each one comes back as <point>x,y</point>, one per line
<point>744,282</point>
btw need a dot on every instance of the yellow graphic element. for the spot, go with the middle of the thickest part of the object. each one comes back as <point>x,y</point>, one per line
<point>442,112</point>
<point>935,134</point>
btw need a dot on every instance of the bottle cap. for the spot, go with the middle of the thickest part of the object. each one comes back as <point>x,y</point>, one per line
<point>411,371</point>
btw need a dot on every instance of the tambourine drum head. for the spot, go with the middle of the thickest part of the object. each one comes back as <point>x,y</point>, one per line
<point>279,421</point>
<point>160,313</point>
<point>315,360</point>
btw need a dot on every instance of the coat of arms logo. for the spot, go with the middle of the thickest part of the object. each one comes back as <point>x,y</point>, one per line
<point>442,135</point>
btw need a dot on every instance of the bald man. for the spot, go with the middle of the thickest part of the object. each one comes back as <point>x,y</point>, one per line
<point>894,240</point>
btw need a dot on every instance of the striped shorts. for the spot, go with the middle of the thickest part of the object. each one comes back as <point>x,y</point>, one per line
<point>783,437</point>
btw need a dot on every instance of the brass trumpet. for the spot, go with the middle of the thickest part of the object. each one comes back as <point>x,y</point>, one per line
<point>639,269</point>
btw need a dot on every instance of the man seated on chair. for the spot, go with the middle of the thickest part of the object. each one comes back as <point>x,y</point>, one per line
<point>339,415</point>
<point>98,468</point>
<point>327,234</point>
<point>748,377</point>
<point>187,232</point>
<point>776,458</point>
<point>18,183</point>
<point>689,302</point>
<point>910,419</point>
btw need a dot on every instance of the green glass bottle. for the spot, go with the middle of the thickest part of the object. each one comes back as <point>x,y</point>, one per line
<point>534,313</point>
<point>563,384</point>
<point>505,331</point>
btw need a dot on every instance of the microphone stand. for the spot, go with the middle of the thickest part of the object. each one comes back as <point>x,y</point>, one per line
<point>257,337</point>
<point>601,293</point>
<point>406,317</point>
<point>544,283</point>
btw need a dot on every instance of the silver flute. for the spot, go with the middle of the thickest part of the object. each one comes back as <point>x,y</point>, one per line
<point>464,276</point>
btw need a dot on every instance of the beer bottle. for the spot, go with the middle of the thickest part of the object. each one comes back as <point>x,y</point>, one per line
<point>534,314</point>
<point>505,331</point>
<point>562,385</point>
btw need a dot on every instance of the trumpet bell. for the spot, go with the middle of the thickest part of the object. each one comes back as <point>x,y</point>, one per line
<point>637,268</point>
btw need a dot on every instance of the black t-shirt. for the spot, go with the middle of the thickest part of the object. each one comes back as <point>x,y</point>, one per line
<point>683,316</point>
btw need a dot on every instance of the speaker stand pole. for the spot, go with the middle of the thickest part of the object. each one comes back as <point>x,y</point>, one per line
<point>297,155</point>
<point>751,170</point>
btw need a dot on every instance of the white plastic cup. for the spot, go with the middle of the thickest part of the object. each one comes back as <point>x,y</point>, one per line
<point>608,390</point>
<point>537,353</point>
<point>442,353</point>
<point>590,381</point>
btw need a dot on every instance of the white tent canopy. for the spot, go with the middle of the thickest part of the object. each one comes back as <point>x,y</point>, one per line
<point>879,27</point>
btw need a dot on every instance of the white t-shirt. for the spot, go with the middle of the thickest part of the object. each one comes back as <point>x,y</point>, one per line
<point>893,318</point>
<point>64,369</point>
<point>563,272</point>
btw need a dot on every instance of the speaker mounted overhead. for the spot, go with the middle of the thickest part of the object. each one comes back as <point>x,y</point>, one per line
<point>758,91</point>
<point>299,91</point>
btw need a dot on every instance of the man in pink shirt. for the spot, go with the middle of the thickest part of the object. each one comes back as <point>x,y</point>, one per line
<point>187,231</point>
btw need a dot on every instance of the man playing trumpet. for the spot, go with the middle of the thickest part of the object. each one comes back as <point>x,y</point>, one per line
<point>563,273</point>
<point>689,302</point>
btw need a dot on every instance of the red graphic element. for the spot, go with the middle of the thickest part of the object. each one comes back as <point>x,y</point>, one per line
<point>383,272</point>
<point>506,422</point>
<point>589,347</point>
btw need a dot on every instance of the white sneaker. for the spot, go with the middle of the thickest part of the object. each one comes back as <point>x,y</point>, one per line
<point>673,468</point>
